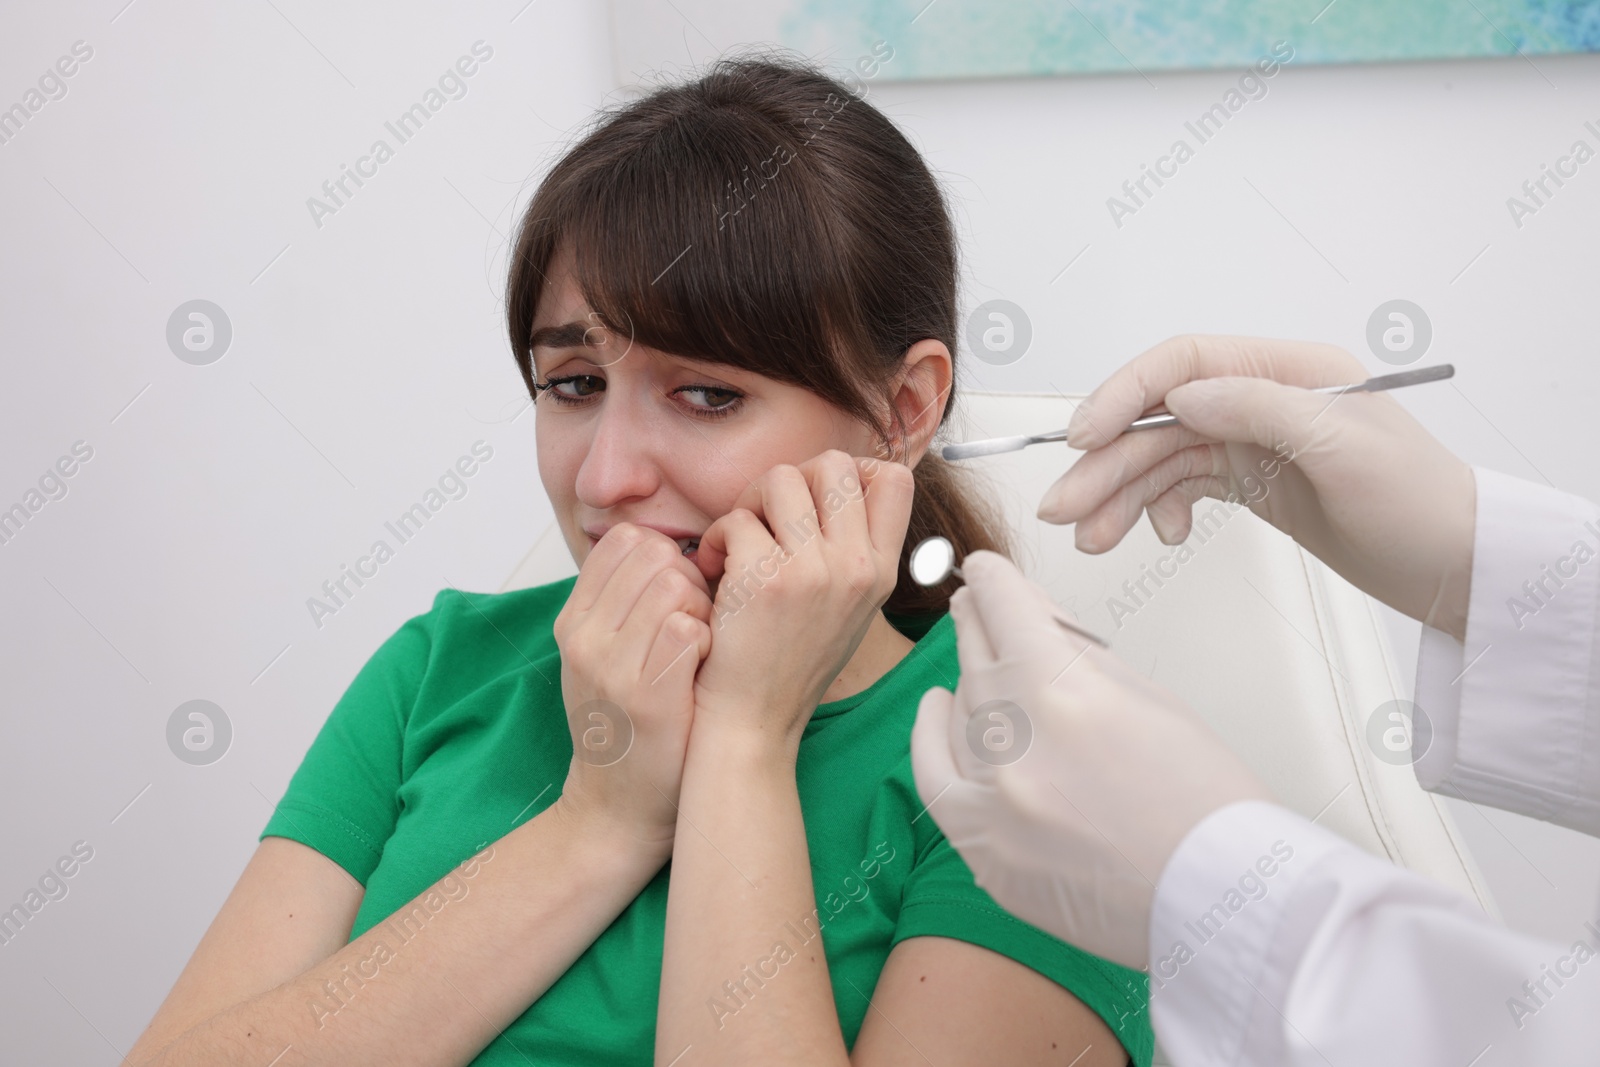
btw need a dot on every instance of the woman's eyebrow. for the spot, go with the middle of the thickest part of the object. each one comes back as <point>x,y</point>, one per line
<point>575,335</point>
<point>568,335</point>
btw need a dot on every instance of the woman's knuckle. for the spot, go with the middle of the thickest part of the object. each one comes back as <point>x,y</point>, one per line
<point>659,551</point>
<point>861,570</point>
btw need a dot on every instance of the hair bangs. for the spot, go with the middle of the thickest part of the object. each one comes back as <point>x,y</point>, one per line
<point>671,251</point>
<point>710,237</point>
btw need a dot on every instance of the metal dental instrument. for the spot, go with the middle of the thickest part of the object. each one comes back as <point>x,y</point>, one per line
<point>995,445</point>
<point>934,560</point>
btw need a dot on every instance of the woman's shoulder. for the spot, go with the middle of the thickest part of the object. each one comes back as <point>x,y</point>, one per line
<point>538,604</point>
<point>517,625</point>
<point>466,643</point>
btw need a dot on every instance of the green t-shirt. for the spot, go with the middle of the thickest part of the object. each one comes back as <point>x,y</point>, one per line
<point>455,732</point>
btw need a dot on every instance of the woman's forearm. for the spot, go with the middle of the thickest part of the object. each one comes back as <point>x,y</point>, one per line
<point>737,982</point>
<point>438,980</point>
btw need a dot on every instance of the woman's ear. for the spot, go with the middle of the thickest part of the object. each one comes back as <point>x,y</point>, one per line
<point>921,392</point>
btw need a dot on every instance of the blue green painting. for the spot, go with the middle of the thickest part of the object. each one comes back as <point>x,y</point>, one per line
<point>988,38</point>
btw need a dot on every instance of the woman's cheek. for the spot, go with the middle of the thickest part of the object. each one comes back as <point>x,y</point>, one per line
<point>558,474</point>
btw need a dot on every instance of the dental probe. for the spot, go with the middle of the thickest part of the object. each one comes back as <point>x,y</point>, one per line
<point>995,445</point>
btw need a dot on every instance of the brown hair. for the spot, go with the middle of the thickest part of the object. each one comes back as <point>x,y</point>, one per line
<point>764,217</point>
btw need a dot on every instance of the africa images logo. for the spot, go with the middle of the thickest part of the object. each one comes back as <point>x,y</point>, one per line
<point>451,85</point>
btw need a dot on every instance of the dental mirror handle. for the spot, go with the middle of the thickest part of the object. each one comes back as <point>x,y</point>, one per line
<point>1060,617</point>
<point>1056,614</point>
<point>932,562</point>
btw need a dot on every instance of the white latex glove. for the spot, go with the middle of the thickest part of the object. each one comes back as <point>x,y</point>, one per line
<point>1369,491</point>
<point>1072,830</point>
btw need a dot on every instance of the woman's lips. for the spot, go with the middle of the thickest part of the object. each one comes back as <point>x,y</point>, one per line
<point>689,546</point>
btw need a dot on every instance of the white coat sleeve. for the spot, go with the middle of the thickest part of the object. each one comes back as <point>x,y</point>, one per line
<point>1515,711</point>
<point>1276,943</point>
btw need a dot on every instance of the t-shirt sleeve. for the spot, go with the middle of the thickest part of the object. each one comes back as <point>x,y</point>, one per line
<point>343,800</point>
<point>942,900</point>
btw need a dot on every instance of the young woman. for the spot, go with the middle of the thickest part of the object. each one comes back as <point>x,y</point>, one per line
<point>663,811</point>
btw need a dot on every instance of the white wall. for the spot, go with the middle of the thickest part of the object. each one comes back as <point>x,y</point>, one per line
<point>369,353</point>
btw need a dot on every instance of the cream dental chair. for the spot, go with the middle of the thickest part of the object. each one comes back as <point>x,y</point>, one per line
<point>1284,658</point>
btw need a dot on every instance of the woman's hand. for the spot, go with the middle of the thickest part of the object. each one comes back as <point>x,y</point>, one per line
<point>805,559</point>
<point>1354,479</point>
<point>632,633</point>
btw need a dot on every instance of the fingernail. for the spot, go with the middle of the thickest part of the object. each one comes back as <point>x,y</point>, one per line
<point>1050,505</point>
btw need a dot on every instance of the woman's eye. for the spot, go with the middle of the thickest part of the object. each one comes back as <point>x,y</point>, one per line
<point>716,399</point>
<point>706,401</point>
<point>587,385</point>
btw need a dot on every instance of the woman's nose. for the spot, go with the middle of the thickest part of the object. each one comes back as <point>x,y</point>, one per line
<point>620,464</point>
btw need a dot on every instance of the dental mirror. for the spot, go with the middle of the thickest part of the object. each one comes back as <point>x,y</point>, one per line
<point>934,560</point>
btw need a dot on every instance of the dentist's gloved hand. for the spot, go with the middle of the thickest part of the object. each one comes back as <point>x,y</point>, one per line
<point>1368,491</point>
<point>1069,830</point>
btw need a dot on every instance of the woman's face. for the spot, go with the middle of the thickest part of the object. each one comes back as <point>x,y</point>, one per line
<point>630,434</point>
